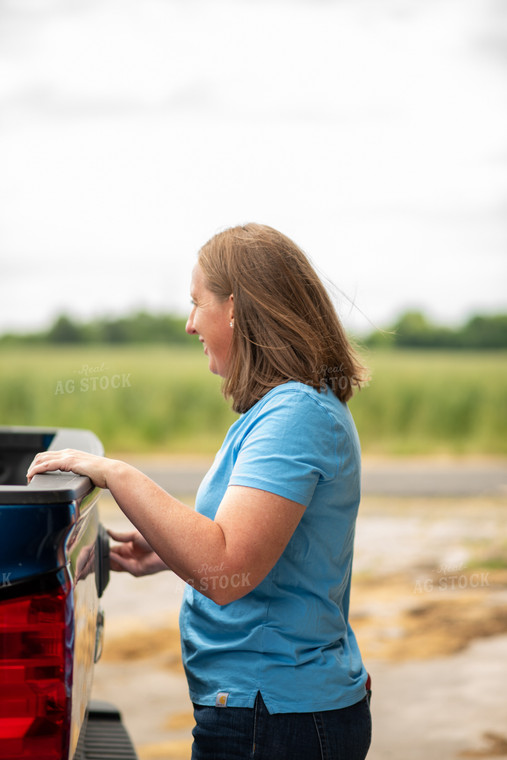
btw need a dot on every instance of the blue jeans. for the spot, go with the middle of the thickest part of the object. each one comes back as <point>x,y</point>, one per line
<point>244,733</point>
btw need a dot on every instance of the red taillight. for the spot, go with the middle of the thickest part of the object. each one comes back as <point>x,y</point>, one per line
<point>35,673</point>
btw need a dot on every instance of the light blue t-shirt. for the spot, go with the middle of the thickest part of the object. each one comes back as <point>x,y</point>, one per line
<point>289,637</point>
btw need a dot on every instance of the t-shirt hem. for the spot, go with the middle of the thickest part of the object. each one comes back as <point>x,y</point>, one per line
<point>275,707</point>
<point>266,485</point>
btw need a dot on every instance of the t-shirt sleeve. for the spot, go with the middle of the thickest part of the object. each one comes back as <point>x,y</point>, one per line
<point>288,448</point>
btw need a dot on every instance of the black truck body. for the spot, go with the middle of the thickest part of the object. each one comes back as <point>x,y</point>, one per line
<point>54,567</point>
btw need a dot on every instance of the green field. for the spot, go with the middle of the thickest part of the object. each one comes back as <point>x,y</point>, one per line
<point>434,402</point>
<point>163,399</point>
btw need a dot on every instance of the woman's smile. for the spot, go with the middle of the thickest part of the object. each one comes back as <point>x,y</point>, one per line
<point>210,319</point>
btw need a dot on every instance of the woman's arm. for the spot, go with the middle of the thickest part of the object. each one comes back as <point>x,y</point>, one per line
<point>224,558</point>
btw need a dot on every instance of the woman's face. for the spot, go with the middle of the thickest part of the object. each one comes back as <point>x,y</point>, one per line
<point>210,319</point>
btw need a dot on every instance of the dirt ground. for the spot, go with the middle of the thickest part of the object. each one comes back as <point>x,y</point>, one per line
<point>429,607</point>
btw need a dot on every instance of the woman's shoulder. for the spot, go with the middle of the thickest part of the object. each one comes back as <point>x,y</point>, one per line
<point>295,390</point>
<point>297,398</point>
<point>303,422</point>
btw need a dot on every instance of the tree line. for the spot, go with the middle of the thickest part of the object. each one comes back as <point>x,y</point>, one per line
<point>141,327</point>
<point>411,330</point>
<point>414,330</point>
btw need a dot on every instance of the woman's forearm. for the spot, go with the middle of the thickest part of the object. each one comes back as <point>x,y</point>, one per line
<point>189,543</point>
<point>242,543</point>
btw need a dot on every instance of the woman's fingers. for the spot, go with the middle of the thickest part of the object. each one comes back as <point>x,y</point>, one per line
<point>118,564</point>
<point>127,564</point>
<point>139,543</point>
<point>48,461</point>
<point>122,550</point>
<point>70,460</point>
<point>123,537</point>
<point>41,463</point>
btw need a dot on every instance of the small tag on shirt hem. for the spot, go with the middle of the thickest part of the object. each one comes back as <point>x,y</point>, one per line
<point>221,700</point>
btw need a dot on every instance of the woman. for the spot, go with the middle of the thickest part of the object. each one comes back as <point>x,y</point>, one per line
<point>273,667</point>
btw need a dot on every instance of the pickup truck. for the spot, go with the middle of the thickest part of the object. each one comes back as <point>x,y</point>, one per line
<point>54,567</point>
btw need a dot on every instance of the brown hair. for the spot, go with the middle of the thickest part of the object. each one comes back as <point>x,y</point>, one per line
<point>285,326</point>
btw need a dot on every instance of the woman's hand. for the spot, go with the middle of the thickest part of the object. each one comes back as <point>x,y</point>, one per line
<point>70,460</point>
<point>134,555</point>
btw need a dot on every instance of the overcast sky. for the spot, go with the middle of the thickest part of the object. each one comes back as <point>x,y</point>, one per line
<point>374,133</point>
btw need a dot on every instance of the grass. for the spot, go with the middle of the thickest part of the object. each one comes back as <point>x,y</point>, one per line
<point>150,399</point>
<point>434,402</point>
<point>135,399</point>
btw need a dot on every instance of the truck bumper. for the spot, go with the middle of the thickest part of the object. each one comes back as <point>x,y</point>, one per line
<point>105,737</point>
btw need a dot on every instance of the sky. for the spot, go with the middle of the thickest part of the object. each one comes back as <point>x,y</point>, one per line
<point>372,132</point>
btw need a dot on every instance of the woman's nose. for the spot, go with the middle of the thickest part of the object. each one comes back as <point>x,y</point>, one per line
<point>189,327</point>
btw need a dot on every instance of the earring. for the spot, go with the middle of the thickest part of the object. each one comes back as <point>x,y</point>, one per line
<point>230,324</point>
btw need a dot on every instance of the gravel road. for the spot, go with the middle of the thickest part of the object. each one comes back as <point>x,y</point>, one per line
<point>396,477</point>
